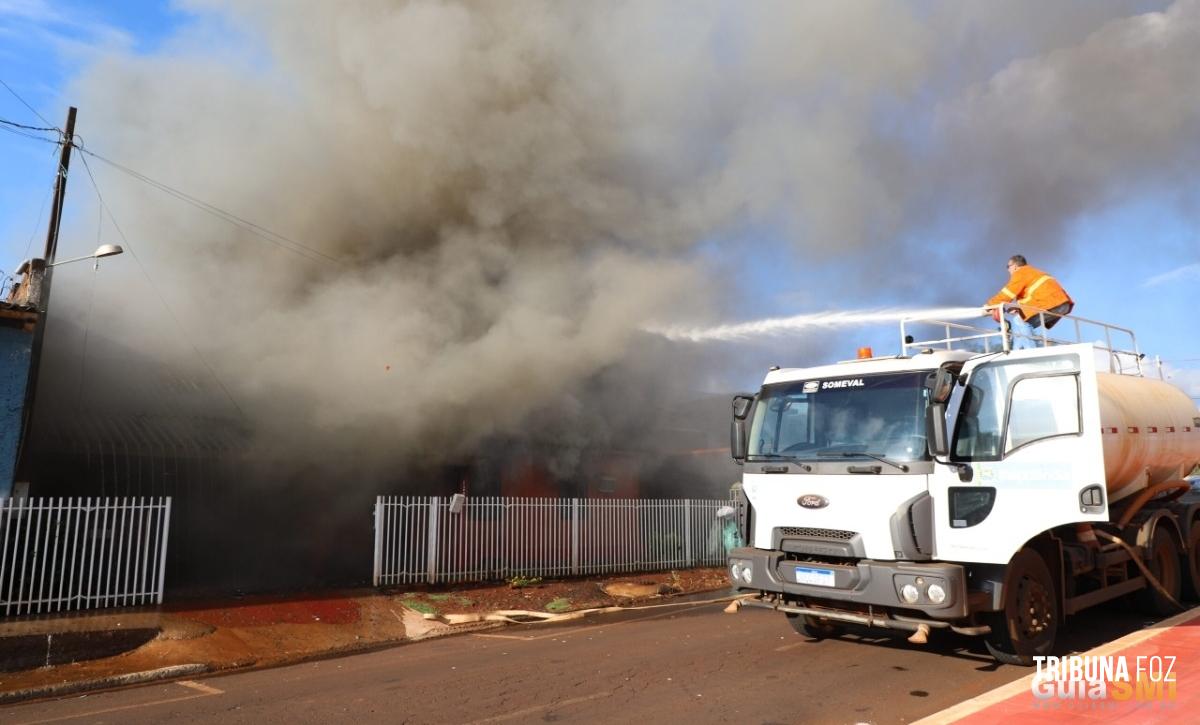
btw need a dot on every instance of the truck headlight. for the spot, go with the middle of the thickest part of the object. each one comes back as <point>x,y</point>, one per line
<point>909,594</point>
<point>735,572</point>
<point>747,573</point>
<point>936,593</point>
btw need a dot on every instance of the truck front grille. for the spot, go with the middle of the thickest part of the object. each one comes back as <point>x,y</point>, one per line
<point>834,534</point>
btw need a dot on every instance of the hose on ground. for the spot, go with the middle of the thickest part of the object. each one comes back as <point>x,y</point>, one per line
<point>522,616</point>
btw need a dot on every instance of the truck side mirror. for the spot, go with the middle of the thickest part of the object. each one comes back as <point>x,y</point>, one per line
<point>741,406</point>
<point>941,385</point>
<point>737,428</point>
<point>935,430</point>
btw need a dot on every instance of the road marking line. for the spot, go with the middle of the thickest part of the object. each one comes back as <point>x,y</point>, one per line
<point>787,647</point>
<point>954,713</point>
<point>200,687</point>
<point>577,630</point>
<point>107,710</point>
<point>540,708</point>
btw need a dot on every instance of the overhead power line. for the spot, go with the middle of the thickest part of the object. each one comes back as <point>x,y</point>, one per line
<point>6,122</point>
<point>24,103</point>
<point>157,292</point>
<point>15,128</point>
<point>284,242</point>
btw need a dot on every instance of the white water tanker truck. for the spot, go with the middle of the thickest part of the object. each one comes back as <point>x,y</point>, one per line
<point>992,493</point>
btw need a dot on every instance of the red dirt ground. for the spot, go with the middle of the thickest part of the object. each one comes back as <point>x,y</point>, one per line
<point>258,613</point>
<point>268,631</point>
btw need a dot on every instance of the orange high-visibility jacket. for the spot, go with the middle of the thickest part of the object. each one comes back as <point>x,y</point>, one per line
<point>1033,287</point>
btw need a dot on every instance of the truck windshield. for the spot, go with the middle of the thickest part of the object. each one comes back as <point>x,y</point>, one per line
<point>811,419</point>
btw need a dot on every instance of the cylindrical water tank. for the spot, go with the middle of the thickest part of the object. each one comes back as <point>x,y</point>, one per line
<point>1151,432</point>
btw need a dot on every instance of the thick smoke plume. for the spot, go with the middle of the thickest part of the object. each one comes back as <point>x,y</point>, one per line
<point>512,191</point>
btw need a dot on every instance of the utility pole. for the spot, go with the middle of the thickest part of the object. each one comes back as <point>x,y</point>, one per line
<point>60,192</point>
<point>24,464</point>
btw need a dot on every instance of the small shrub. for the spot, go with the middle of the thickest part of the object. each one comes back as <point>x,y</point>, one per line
<point>562,604</point>
<point>521,581</point>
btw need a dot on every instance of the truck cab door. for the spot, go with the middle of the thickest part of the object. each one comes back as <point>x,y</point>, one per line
<point>1026,429</point>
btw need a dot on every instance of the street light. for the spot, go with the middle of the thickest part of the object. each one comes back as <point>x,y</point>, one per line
<point>104,250</point>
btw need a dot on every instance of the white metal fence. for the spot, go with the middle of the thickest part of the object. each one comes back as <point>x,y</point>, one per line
<point>60,554</point>
<point>455,539</point>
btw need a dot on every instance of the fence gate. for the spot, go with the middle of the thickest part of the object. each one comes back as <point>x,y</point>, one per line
<point>458,539</point>
<point>59,554</point>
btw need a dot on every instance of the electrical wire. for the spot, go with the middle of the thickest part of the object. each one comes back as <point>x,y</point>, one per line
<point>275,238</point>
<point>7,122</point>
<point>157,292</point>
<point>24,103</point>
<point>8,127</point>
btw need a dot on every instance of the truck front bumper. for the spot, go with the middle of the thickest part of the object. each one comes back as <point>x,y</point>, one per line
<point>867,583</point>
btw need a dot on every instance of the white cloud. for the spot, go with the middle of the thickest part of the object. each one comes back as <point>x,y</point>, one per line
<point>68,29</point>
<point>35,11</point>
<point>1186,378</point>
<point>1180,274</point>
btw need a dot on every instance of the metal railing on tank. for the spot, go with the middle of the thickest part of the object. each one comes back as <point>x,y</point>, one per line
<point>919,333</point>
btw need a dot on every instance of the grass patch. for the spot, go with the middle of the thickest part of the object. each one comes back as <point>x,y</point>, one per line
<point>419,606</point>
<point>458,599</point>
<point>562,604</point>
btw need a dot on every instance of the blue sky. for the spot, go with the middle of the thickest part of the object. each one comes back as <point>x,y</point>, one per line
<point>43,45</point>
<point>1134,263</point>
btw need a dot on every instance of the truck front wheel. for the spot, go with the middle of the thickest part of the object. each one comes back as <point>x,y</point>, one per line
<point>1028,624</point>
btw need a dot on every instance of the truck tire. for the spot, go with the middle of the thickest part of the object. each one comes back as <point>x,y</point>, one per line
<point>815,627</point>
<point>1028,624</point>
<point>1190,564</point>
<point>1163,562</point>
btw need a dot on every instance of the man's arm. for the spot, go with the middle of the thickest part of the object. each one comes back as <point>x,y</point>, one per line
<point>1008,292</point>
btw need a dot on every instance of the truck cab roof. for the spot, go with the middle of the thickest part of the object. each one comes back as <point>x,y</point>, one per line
<point>928,360</point>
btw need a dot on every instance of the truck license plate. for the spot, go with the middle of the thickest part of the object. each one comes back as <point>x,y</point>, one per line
<point>809,575</point>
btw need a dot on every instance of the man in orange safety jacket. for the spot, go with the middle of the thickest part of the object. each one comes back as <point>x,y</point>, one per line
<point>1029,292</point>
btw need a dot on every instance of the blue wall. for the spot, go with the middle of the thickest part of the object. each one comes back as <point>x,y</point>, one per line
<point>15,349</point>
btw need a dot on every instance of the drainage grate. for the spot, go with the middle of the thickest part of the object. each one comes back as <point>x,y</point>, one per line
<point>835,534</point>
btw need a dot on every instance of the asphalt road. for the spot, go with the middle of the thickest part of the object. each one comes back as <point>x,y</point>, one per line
<point>689,664</point>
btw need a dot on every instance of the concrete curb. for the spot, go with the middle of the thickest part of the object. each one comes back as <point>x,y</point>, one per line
<point>103,683</point>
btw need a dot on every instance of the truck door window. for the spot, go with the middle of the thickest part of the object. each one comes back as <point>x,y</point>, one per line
<point>1042,407</point>
<point>1004,407</point>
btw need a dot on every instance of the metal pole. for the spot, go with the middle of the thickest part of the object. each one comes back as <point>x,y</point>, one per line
<point>162,560</point>
<point>687,531</point>
<point>575,536</point>
<point>24,465</point>
<point>378,540</point>
<point>432,543</point>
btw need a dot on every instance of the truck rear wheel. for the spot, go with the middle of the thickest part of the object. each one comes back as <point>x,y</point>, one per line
<point>1163,563</point>
<point>815,627</point>
<point>1028,624</point>
<point>1191,564</point>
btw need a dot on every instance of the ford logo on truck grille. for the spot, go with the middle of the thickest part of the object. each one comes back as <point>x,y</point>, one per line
<point>812,501</point>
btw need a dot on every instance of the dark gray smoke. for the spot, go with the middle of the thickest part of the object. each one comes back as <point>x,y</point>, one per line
<point>512,190</point>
